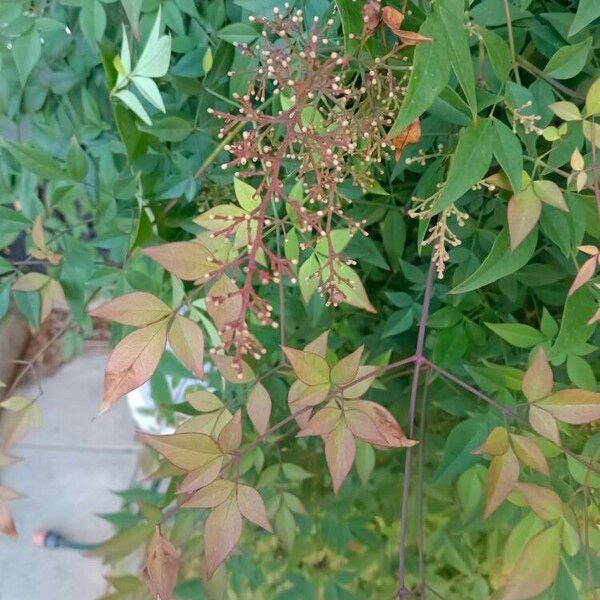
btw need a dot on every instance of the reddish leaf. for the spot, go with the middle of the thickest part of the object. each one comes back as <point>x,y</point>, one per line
<point>319,345</point>
<point>545,503</point>
<point>230,437</point>
<point>345,370</point>
<point>187,340</point>
<point>544,423</point>
<point>529,453</point>
<point>186,260</point>
<point>393,18</point>
<point>536,567</point>
<point>222,531</point>
<point>212,495</point>
<point>408,136</point>
<point>370,15</point>
<point>203,401</point>
<point>161,566</point>
<point>585,273</point>
<point>538,379</point>
<point>201,477</point>
<point>340,448</point>
<point>310,368</point>
<point>364,380</point>
<point>503,473</point>
<point>252,507</point>
<point>7,524</point>
<point>137,309</point>
<point>322,422</point>
<point>227,368</point>
<point>224,305</point>
<point>523,213</point>
<point>573,406</point>
<point>133,361</point>
<point>188,451</point>
<point>259,408</point>
<point>361,413</point>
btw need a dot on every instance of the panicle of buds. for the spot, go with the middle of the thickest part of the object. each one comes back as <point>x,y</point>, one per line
<point>528,121</point>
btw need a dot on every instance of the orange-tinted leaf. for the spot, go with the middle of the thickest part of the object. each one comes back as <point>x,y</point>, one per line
<point>392,18</point>
<point>363,415</point>
<point>7,524</point>
<point>186,260</point>
<point>545,503</point>
<point>187,340</point>
<point>224,304</point>
<point>410,135</point>
<point>227,368</point>
<point>503,473</point>
<point>222,531</point>
<point>137,309</point>
<point>340,448</point>
<point>202,476</point>
<point>585,273</point>
<point>345,370</point>
<point>212,495</point>
<point>529,453</point>
<point>363,382</point>
<point>322,422</point>
<point>252,507</point>
<point>538,379</point>
<point>495,444</point>
<point>573,406</point>
<point>161,566</point>
<point>259,408</point>
<point>133,361</point>
<point>230,437</point>
<point>188,451</point>
<point>310,368</point>
<point>412,38</point>
<point>544,423</point>
<point>536,567</point>
<point>523,213</point>
<point>550,193</point>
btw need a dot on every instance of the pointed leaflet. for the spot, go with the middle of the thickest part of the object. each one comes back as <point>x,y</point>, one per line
<point>340,448</point>
<point>222,531</point>
<point>318,345</point>
<point>187,260</point>
<point>573,406</point>
<point>509,153</point>
<point>203,400</point>
<point>545,503</point>
<point>133,361</point>
<point>212,495</point>
<point>322,422</point>
<point>161,566</point>
<point>187,340</point>
<point>225,365</point>
<point>470,162</point>
<point>154,60</point>
<point>136,309</point>
<point>259,408</point>
<point>310,368</point>
<point>230,437</point>
<point>410,135</point>
<point>7,525</point>
<point>544,423</point>
<point>549,193</point>
<point>585,273</point>
<point>252,507</point>
<point>536,567</point>
<point>538,379</point>
<point>187,451</point>
<point>345,370</point>
<point>503,473</point>
<point>365,377</point>
<point>201,477</point>
<point>523,213</point>
<point>529,453</point>
<point>496,443</point>
<point>429,75</point>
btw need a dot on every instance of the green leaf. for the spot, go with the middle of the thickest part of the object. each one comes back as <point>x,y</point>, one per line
<point>516,334</point>
<point>581,373</point>
<point>132,10</point>
<point>76,163</point>
<point>470,162</point>
<point>457,46</point>
<point>131,101</point>
<point>36,160</point>
<point>246,195</point>
<point>207,61</point>
<point>92,20</point>
<point>169,129</point>
<point>26,53</point>
<point>149,91</point>
<point>500,262</point>
<point>241,33</point>
<point>587,11</point>
<point>568,61</point>
<point>592,98</point>
<point>154,60</point>
<point>429,75</point>
<point>498,53</point>
<point>509,153</point>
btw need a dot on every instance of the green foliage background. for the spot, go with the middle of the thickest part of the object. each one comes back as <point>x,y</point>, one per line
<point>106,184</point>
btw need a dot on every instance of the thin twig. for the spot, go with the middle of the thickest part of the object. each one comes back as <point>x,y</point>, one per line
<point>511,41</point>
<point>555,84</point>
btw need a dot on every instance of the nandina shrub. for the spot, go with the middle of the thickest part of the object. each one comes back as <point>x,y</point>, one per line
<point>381,223</point>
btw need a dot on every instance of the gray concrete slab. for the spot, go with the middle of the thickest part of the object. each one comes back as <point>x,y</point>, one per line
<point>69,467</point>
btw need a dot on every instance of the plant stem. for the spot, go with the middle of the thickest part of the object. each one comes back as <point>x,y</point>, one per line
<point>419,359</point>
<point>511,41</point>
<point>555,84</point>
